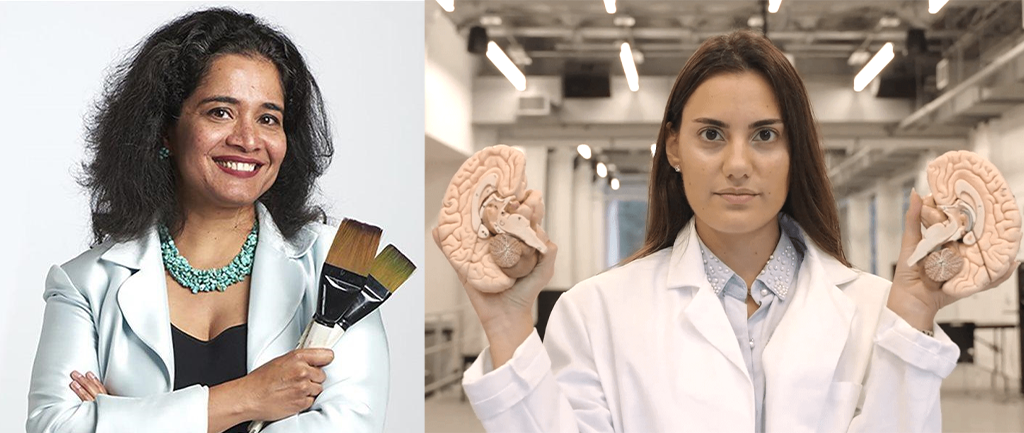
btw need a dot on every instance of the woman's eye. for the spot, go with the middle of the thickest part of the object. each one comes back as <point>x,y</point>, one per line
<point>766,135</point>
<point>220,113</point>
<point>710,134</point>
<point>269,120</point>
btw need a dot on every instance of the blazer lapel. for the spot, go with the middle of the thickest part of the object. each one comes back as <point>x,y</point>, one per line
<point>705,311</point>
<point>279,280</point>
<point>142,297</point>
<point>801,358</point>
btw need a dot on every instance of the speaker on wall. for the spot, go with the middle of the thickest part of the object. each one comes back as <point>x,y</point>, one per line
<point>477,40</point>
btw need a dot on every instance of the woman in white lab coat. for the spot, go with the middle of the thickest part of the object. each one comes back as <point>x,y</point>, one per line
<point>740,313</point>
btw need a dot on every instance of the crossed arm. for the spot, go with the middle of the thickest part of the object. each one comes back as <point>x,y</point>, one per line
<point>354,386</point>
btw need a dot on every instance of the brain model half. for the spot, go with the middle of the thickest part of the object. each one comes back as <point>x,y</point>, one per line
<point>488,227</point>
<point>973,224</point>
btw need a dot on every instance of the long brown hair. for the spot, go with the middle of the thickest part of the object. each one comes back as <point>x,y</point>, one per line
<point>810,201</point>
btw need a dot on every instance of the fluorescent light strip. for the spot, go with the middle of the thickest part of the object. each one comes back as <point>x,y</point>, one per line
<point>773,5</point>
<point>626,55</point>
<point>934,6</point>
<point>584,151</point>
<point>873,67</point>
<point>505,65</point>
<point>615,184</point>
<point>609,6</point>
<point>447,5</point>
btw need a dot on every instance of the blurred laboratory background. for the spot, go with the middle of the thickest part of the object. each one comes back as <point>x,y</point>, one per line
<point>580,87</point>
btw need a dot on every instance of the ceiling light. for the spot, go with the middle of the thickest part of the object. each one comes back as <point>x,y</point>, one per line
<point>629,67</point>
<point>602,170</point>
<point>447,5</point>
<point>584,151</point>
<point>518,55</point>
<point>489,20</point>
<point>858,57</point>
<point>773,5</point>
<point>507,68</point>
<point>874,67</point>
<point>615,184</point>
<point>654,148</point>
<point>609,6</point>
<point>889,22</point>
<point>935,5</point>
<point>624,21</point>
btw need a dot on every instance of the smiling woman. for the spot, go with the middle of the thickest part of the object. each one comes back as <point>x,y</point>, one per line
<point>206,147</point>
<point>229,140</point>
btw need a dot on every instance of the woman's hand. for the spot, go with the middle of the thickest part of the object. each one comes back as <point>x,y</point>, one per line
<point>286,385</point>
<point>507,316</point>
<point>914,296</point>
<point>87,386</point>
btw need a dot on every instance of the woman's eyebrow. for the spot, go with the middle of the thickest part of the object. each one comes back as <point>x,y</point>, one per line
<point>234,101</point>
<point>721,124</point>
<point>221,99</point>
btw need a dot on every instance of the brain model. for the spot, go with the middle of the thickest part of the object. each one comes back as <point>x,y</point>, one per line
<point>489,225</point>
<point>972,224</point>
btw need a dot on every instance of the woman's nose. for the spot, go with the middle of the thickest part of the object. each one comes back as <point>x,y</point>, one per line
<point>244,136</point>
<point>737,159</point>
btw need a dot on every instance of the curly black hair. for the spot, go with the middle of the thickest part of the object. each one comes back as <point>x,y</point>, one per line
<point>131,188</point>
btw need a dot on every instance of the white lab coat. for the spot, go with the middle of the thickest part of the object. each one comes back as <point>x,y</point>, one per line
<point>647,347</point>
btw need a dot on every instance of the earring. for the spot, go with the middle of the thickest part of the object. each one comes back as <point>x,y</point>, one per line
<point>165,153</point>
<point>676,168</point>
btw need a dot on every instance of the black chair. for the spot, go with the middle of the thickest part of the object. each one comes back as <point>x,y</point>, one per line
<point>545,303</point>
<point>962,333</point>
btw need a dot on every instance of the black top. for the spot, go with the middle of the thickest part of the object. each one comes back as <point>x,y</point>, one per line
<point>211,362</point>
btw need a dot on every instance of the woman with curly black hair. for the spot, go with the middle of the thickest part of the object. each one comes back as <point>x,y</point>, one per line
<point>205,149</point>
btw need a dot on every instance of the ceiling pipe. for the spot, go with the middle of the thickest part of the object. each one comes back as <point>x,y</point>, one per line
<point>948,96</point>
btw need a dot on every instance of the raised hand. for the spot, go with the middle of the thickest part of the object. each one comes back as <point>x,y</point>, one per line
<point>914,296</point>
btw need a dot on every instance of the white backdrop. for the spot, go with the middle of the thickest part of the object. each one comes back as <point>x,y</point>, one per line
<point>368,60</point>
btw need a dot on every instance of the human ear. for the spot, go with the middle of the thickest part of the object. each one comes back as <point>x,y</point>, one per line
<point>672,146</point>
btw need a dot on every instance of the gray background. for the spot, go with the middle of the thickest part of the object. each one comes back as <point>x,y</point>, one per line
<point>368,59</point>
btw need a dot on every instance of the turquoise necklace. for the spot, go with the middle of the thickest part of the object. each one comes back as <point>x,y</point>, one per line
<point>207,280</point>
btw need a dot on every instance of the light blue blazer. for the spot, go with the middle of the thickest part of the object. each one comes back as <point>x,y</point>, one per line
<point>106,312</point>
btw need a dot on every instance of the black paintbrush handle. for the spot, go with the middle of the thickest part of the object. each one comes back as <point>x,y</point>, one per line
<point>338,288</point>
<point>372,295</point>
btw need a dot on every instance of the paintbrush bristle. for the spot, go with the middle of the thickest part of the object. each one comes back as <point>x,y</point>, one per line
<point>354,247</point>
<point>391,268</point>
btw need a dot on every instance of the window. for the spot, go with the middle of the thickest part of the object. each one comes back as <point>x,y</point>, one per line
<point>627,223</point>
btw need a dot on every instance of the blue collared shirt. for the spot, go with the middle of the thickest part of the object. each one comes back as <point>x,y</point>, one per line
<point>771,290</point>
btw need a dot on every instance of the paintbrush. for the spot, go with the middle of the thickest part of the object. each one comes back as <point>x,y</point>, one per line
<point>390,270</point>
<point>342,277</point>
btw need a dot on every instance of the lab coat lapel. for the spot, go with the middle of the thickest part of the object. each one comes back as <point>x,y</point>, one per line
<point>801,358</point>
<point>705,311</point>
<point>142,297</point>
<point>276,288</point>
